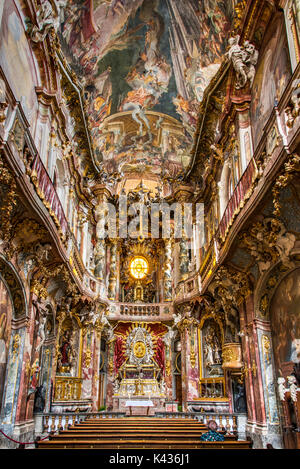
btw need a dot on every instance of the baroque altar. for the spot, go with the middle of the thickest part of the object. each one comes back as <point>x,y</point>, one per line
<point>139,378</point>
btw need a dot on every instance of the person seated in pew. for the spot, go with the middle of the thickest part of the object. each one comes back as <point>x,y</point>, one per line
<point>212,434</point>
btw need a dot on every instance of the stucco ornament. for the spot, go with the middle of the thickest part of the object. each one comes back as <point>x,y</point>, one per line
<point>268,241</point>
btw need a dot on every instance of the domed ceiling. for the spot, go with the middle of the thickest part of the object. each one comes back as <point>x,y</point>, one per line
<point>144,65</point>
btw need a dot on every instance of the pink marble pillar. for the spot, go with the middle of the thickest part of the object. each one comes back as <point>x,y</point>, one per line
<point>110,375</point>
<point>168,371</point>
<point>189,362</point>
<point>184,367</point>
<point>193,364</point>
<point>95,370</point>
<point>253,378</point>
<point>25,404</point>
<point>87,365</point>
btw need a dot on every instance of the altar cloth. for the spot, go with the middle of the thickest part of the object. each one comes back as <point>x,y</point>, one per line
<point>139,404</point>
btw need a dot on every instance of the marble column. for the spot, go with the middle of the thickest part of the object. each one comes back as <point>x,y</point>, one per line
<point>168,368</point>
<point>110,374</point>
<point>188,329</point>
<point>96,356</point>
<point>262,407</point>
<point>183,258</point>
<point>222,188</point>
<point>168,271</point>
<point>100,254</point>
<point>15,382</point>
<point>100,260</point>
<point>87,364</point>
<point>113,277</point>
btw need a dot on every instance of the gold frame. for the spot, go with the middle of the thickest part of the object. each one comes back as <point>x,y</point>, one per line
<point>203,380</point>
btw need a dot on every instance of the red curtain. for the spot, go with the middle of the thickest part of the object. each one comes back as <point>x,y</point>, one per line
<point>159,356</point>
<point>119,357</point>
<point>157,329</point>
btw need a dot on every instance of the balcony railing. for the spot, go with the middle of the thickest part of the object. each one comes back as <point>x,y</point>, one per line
<point>47,193</point>
<point>241,193</point>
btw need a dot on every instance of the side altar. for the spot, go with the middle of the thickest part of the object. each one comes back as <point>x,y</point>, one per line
<point>139,387</point>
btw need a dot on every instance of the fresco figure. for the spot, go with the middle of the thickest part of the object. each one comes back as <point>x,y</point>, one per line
<point>165,71</point>
<point>285,320</point>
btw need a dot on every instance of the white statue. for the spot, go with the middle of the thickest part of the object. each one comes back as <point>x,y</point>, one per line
<point>177,318</point>
<point>93,316</point>
<point>162,386</point>
<point>251,60</point>
<point>42,251</point>
<point>285,242</point>
<point>104,320</point>
<point>116,386</point>
<point>293,387</point>
<point>60,6</point>
<point>110,334</point>
<point>208,354</point>
<point>169,335</point>
<point>46,19</point>
<point>243,60</point>
<point>281,388</point>
<point>41,322</point>
<point>41,330</point>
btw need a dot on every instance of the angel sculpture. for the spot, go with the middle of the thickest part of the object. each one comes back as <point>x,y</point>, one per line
<point>243,60</point>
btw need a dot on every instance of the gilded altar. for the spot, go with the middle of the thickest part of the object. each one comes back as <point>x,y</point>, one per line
<point>140,381</point>
<point>139,376</point>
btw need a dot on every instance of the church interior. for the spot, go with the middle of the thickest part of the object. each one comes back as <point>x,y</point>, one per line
<point>150,224</point>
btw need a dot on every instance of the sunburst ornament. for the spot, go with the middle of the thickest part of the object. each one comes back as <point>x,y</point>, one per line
<point>139,267</point>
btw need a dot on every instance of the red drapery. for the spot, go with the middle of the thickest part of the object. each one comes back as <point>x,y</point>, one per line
<point>119,356</point>
<point>88,26</point>
<point>157,329</point>
<point>159,356</point>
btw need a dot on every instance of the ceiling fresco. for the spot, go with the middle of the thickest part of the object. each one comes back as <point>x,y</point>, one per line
<point>144,65</point>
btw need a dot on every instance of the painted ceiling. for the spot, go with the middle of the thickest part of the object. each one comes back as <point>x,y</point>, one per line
<point>144,65</point>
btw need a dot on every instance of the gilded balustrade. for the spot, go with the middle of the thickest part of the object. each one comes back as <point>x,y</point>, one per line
<point>212,389</point>
<point>67,388</point>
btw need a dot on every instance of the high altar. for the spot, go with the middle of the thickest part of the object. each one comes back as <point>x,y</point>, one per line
<point>139,383</point>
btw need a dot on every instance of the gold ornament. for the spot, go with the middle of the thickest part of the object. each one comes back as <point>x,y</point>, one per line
<point>139,349</point>
<point>231,355</point>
